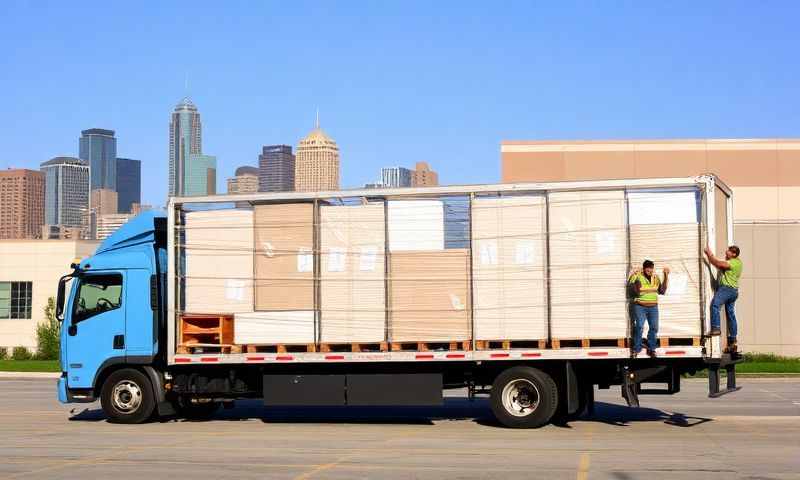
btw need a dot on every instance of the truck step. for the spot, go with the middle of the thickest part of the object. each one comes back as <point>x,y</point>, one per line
<point>431,346</point>
<point>509,344</point>
<point>354,347</point>
<point>557,343</point>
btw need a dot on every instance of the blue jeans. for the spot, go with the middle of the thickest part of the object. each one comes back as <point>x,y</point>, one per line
<point>725,296</point>
<point>642,314</point>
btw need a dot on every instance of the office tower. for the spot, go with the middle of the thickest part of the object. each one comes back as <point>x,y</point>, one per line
<point>201,175</point>
<point>98,148</point>
<point>66,194</point>
<point>190,172</point>
<point>423,176</point>
<point>108,223</point>
<point>317,162</point>
<point>245,181</point>
<point>104,201</point>
<point>396,177</point>
<point>21,203</point>
<point>276,166</point>
<point>129,183</point>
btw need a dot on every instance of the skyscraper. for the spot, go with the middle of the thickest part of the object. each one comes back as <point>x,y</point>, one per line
<point>423,176</point>
<point>104,201</point>
<point>21,203</point>
<point>276,166</point>
<point>201,175</point>
<point>185,138</point>
<point>245,181</point>
<point>317,163</point>
<point>396,177</point>
<point>129,183</point>
<point>66,195</point>
<point>98,148</point>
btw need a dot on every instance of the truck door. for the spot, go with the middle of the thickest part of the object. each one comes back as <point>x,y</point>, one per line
<point>96,331</point>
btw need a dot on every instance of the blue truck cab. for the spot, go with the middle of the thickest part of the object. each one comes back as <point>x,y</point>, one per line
<point>112,318</point>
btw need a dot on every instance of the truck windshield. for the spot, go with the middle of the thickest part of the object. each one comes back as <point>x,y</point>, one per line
<point>97,294</point>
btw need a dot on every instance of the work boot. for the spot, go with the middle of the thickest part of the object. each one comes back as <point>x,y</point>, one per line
<point>651,353</point>
<point>732,347</point>
<point>715,332</point>
<point>634,355</point>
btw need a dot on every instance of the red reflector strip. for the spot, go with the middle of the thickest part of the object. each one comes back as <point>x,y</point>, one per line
<point>284,357</point>
<point>598,354</point>
<point>455,355</point>
<point>209,359</point>
<point>675,352</point>
<point>334,357</point>
<point>256,359</point>
<point>183,360</point>
<point>424,356</point>
<point>499,355</point>
<point>532,354</point>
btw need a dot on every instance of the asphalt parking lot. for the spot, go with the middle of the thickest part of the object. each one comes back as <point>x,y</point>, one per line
<point>754,433</point>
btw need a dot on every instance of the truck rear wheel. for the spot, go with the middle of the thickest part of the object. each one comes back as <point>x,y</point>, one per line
<point>524,397</point>
<point>127,397</point>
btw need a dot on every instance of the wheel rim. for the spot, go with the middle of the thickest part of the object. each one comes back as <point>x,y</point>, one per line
<point>127,396</point>
<point>520,397</point>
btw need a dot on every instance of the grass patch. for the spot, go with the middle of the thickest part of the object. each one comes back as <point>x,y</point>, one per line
<point>29,366</point>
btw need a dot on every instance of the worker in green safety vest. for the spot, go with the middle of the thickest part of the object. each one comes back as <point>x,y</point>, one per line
<point>646,288</point>
<point>727,292</point>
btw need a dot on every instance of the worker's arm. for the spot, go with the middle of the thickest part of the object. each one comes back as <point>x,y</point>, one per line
<point>721,264</point>
<point>637,285</point>
<point>662,289</point>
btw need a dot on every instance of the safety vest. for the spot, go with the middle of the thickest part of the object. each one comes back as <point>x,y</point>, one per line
<point>648,293</point>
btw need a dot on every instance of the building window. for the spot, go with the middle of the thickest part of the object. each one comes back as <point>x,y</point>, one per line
<point>16,299</point>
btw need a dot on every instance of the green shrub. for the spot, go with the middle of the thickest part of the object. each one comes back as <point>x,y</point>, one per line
<point>48,334</point>
<point>21,353</point>
<point>3,353</point>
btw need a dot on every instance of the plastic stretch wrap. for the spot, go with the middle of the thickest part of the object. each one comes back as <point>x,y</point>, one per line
<point>416,225</point>
<point>219,261</point>
<point>267,328</point>
<point>508,260</point>
<point>352,290</point>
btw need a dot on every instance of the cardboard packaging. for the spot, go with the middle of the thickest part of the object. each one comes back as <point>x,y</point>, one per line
<point>219,261</point>
<point>284,258</point>
<point>429,296</point>
<point>352,289</point>
<point>269,328</point>
<point>415,225</point>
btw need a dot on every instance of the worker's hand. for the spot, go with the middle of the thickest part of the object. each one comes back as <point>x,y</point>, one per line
<point>708,251</point>
<point>635,271</point>
<point>666,270</point>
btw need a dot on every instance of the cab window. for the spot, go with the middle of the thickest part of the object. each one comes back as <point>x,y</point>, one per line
<point>97,294</point>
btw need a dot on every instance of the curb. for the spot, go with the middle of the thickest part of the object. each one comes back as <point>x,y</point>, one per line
<point>21,375</point>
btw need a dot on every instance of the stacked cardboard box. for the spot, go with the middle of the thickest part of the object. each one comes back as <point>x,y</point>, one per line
<point>219,261</point>
<point>416,225</point>
<point>588,265</point>
<point>508,268</point>
<point>352,289</point>
<point>253,328</point>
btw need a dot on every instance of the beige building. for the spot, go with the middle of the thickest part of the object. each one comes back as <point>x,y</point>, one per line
<point>423,176</point>
<point>29,274</point>
<point>21,203</point>
<point>765,177</point>
<point>104,201</point>
<point>245,181</point>
<point>316,163</point>
<point>108,223</point>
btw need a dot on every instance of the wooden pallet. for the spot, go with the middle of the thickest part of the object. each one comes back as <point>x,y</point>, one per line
<point>430,346</point>
<point>509,344</point>
<point>557,343</point>
<point>679,342</point>
<point>190,348</point>
<point>354,347</point>
<point>282,348</point>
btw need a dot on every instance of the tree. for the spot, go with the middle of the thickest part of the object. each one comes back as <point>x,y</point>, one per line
<point>48,333</point>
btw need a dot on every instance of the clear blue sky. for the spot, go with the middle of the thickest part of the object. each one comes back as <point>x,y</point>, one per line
<point>395,82</point>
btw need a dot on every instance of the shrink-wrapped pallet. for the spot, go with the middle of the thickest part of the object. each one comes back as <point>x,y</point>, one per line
<point>429,296</point>
<point>269,328</point>
<point>588,265</point>
<point>352,289</point>
<point>284,258</point>
<point>508,268</point>
<point>416,225</point>
<point>219,261</point>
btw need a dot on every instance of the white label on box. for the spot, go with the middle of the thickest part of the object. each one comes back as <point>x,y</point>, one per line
<point>234,289</point>
<point>367,258</point>
<point>677,284</point>
<point>604,243</point>
<point>456,302</point>
<point>268,250</point>
<point>305,260</point>
<point>525,252</point>
<point>488,250</point>
<point>337,257</point>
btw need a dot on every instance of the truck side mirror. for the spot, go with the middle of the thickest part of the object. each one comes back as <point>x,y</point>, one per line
<point>60,297</point>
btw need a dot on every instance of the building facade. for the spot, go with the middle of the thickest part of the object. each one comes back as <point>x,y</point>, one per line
<point>129,183</point>
<point>423,176</point>
<point>21,203</point>
<point>245,181</point>
<point>317,163</point>
<point>276,169</point>
<point>29,274</point>
<point>66,195</point>
<point>98,148</point>
<point>185,139</point>
<point>108,223</point>
<point>765,177</point>
<point>201,175</point>
<point>396,177</point>
<point>104,201</point>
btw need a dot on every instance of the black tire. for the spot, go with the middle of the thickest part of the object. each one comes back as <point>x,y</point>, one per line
<point>195,411</point>
<point>527,382</point>
<point>127,397</point>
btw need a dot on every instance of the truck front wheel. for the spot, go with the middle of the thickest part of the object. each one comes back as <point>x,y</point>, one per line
<point>524,397</point>
<point>127,397</point>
